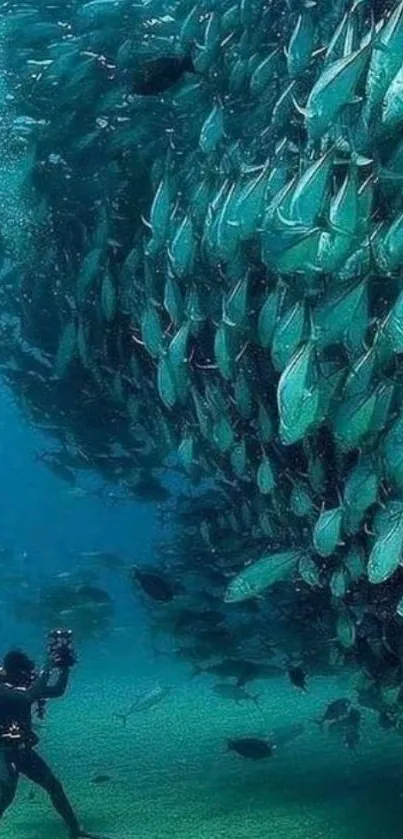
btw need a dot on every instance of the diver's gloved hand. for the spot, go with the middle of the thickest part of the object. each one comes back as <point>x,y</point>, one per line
<point>66,658</point>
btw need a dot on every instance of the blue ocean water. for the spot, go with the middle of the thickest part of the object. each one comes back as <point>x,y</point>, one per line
<point>44,528</point>
<point>208,279</point>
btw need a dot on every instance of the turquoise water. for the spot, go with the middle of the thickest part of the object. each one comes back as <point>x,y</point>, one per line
<point>170,774</point>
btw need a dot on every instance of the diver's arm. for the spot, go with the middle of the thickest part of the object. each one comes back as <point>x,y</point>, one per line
<point>28,694</point>
<point>59,687</point>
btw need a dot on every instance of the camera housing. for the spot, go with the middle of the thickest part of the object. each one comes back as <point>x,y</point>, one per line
<point>60,648</point>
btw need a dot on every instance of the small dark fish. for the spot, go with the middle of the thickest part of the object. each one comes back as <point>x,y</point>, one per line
<point>335,711</point>
<point>251,747</point>
<point>158,75</point>
<point>150,489</point>
<point>297,677</point>
<point>101,779</point>
<point>154,585</point>
<point>348,728</point>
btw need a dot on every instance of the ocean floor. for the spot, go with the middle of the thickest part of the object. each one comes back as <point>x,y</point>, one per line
<point>172,778</point>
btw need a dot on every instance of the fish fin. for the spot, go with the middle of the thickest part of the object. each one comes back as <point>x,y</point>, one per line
<point>316,269</point>
<point>294,224</point>
<point>319,51</point>
<point>227,321</point>
<point>299,108</point>
<point>360,159</point>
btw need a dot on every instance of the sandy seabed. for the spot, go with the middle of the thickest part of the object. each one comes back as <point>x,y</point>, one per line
<point>172,778</point>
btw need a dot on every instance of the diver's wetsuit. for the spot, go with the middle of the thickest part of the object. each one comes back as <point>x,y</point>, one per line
<point>16,707</point>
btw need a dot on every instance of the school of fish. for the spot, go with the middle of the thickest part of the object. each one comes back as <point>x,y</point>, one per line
<point>202,259</point>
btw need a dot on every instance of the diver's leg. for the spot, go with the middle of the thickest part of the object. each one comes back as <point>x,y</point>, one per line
<point>8,783</point>
<point>36,769</point>
<point>7,795</point>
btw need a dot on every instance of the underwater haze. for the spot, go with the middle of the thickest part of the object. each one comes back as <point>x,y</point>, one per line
<point>201,419</point>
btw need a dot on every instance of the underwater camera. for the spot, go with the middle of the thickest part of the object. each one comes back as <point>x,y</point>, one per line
<point>60,648</point>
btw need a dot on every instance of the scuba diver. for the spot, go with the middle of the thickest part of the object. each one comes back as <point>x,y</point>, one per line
<point>20,688</point>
